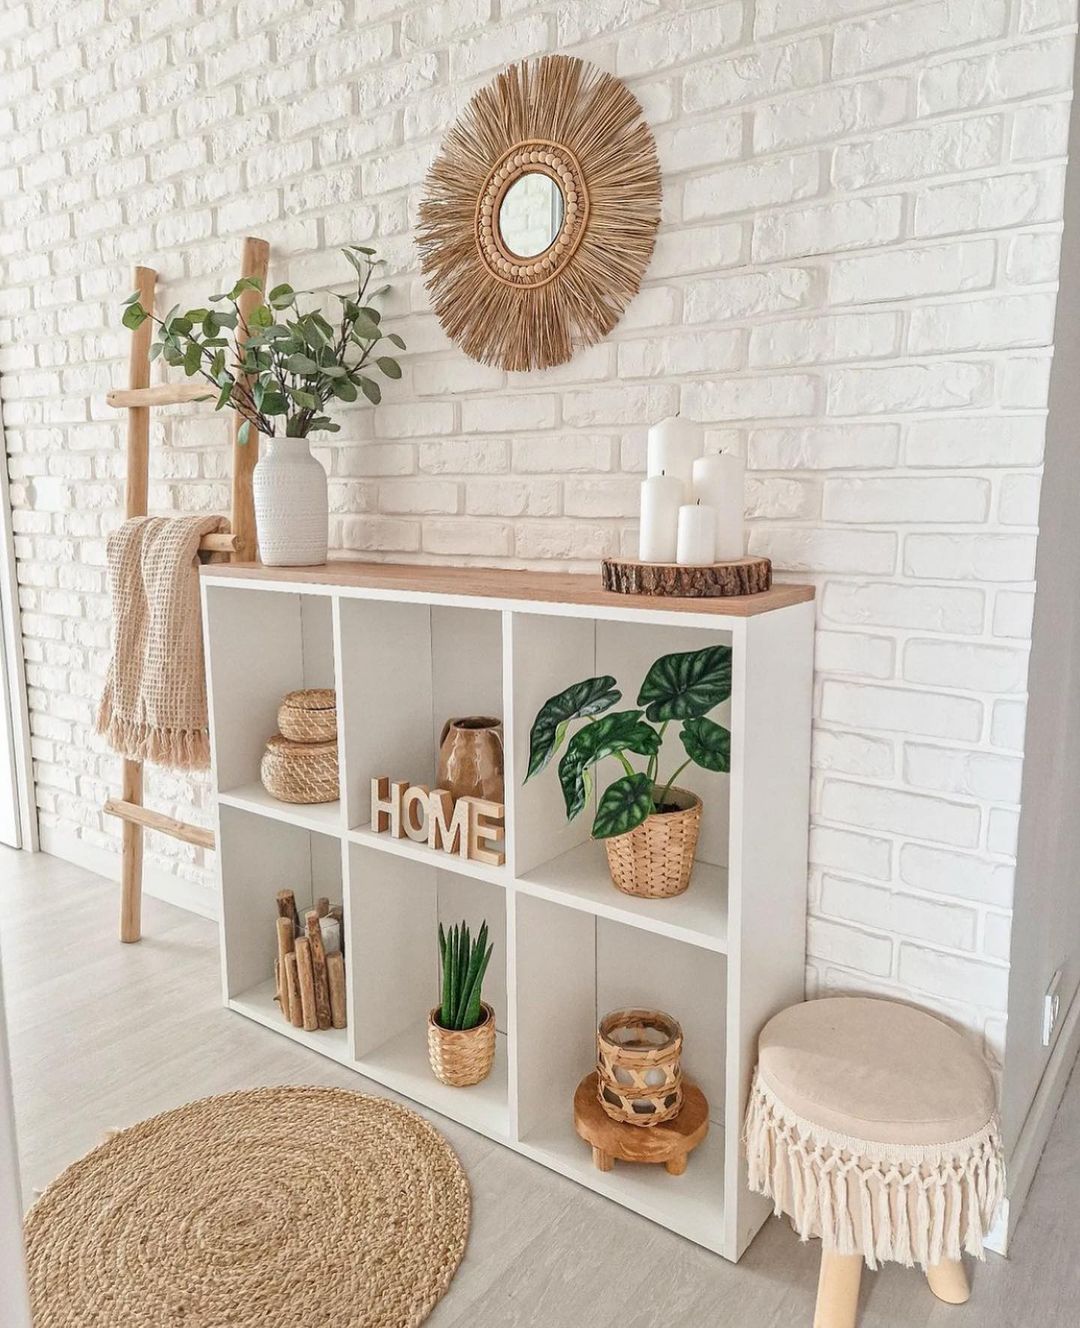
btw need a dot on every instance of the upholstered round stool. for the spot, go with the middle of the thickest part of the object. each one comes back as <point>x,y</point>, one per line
<point>873,1125</point>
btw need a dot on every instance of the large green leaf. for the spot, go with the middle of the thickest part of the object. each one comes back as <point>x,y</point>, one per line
<point>707,744</point>
<point>622,732</point>
<point>625,803</point>
<point>591,697</point>
<point>687,685</point>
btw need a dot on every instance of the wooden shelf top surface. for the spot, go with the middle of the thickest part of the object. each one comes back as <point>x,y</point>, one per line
<point>507,584</point>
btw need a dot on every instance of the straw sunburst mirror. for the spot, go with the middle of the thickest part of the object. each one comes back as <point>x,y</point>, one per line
<point>540,213</point>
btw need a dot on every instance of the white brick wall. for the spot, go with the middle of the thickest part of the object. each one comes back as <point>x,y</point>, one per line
<point>853,286</point>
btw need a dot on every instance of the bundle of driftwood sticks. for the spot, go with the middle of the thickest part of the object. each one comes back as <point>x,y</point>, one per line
<point>309,971</point>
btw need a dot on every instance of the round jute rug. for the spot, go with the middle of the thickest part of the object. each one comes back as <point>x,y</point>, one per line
<point>284,1207</point>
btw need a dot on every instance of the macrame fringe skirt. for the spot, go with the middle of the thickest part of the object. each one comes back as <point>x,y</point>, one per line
<point>887,1202</point>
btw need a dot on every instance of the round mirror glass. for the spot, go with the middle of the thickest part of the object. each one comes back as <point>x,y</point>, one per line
<point>531,214</point>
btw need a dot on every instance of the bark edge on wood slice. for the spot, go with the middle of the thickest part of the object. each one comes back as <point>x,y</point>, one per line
<point>741,576</point>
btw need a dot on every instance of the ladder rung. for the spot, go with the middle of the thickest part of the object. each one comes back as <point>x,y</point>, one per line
<point>164,394</point>
<point>223,543</point>
<point>166,825</point>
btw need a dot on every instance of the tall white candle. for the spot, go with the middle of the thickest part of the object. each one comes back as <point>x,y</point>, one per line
<point>661,497</point>
<point>674,444</point>
<point>697,535</point>
<point>719,481</point>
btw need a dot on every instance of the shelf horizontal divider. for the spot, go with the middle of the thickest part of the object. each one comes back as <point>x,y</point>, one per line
<point>258,1003</point>
<point>323,817</point>
<point>409,848</point>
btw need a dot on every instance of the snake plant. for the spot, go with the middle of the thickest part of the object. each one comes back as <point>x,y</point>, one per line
<point>463,962</point>
<point>678,688</point>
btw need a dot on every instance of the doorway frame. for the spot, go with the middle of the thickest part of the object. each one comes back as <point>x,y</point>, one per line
<point>11,656</point>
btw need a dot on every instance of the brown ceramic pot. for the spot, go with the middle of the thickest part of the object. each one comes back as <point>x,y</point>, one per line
<point>471,758</point>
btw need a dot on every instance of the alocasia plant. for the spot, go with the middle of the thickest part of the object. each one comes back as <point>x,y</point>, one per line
<point>682,688</point>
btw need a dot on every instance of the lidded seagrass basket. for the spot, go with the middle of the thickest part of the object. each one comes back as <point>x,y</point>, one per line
<point>638,1066</point>
<point>300,771</point>
<point>309,715</point>
<point>655,859</point>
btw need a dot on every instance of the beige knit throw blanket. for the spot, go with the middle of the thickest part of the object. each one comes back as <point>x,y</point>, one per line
<point>154,704</point>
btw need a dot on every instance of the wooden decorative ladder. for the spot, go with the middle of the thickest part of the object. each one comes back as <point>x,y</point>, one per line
<point>239,543</point>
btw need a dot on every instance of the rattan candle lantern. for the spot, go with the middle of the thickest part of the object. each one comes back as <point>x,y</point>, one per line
<point>639,1075</point>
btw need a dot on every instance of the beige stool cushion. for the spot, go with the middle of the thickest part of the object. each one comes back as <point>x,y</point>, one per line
<point>876,1070</point>
<point>872,1125</point>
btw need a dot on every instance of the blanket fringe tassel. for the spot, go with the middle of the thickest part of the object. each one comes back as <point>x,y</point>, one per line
<point>181,749</point>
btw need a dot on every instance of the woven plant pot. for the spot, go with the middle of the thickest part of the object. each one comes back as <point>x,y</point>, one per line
<point>309,715</point>
<point>461,1056</point>
<point>638,1066</point>
<point>655,859</point>
<point>300,771</point>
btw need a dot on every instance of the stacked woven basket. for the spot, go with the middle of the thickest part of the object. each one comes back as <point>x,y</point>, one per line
<point>300,763</point>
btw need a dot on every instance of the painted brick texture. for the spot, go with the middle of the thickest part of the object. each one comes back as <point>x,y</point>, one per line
<point>853,286</point>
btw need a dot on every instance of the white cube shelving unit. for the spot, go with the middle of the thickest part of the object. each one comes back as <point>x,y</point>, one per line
<point>406,647</point>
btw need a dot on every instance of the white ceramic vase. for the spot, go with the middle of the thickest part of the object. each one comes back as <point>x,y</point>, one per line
<point>291,510</point>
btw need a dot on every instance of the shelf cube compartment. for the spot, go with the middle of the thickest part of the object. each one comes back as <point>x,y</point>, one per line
<point>396,905</point>
<point>259,857</point>
<point>570,970</point>
<point>559,857</point>
<point>262,644</point>
<point>407,669</point>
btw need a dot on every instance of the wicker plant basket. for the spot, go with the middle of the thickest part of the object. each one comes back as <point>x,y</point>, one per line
<point>655,859</point>
<point>309,715</point>
<point>462,1056</point>
<point>638,1070</point>
<point>300,771</point>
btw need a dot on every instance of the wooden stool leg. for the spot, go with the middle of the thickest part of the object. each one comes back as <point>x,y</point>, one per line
<point>838,1290</point>
<point>602,1161</point>
<point>948,1282</point>
<point>676,1165</point>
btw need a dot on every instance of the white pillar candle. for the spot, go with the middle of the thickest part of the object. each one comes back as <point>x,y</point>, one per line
<point>661,497</point>
<point>330,929</point>
<point>674,444</point>
<point>697,535</point>
<point>719,482</point>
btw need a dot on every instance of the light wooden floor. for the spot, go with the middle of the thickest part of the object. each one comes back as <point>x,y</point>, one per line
<point>103,1035</point>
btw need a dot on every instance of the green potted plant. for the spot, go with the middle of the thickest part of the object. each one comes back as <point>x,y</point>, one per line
<point>283,369</point>
<point>461,1028</point>
<point>648,824</point>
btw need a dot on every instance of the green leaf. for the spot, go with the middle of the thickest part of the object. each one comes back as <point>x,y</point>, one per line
<point>224,397</point>
<point>363,249</point>
<point>389,367</point>
<point>261,316</point>
<point>364,328</point>
<point>369,311</point>
<point>301,364</point>
<point>625,804</point>
<point>707,744</point>
<point>273,403</point>
<point>371,390</point>
<point>398,342</point>
<point>591,697</point>
<point>192,358</point>
<point>307,400</point>
<point>282,296</point>
<point>134,317</point>
<point>687,685</point>
<point>343,389</point>
<point>155,350</point>
<point>132,297</point>
<point>244,432</point>
<point>623,731</point>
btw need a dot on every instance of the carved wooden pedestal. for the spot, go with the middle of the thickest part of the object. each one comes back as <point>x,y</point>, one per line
<point>669,1143</point>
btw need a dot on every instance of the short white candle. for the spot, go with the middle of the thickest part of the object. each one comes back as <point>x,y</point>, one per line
<point>661,497</point>
<point>697,535</point>
<point>719,481</point>
<point>674,444</point>
<point>331,934</point>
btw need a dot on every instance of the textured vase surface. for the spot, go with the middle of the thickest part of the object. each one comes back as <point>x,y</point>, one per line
<point>291,511</point>
<point>471,758</point>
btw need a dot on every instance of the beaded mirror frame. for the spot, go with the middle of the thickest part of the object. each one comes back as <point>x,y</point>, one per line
<point>584,130</point>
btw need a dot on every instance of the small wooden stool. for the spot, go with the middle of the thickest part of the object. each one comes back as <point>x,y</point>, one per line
<point>669,1143</point>
<point>873,1125</point>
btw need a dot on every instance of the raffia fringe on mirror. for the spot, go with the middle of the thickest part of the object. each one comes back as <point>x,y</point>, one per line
<point>933,1205</point>
<point>584,129</point>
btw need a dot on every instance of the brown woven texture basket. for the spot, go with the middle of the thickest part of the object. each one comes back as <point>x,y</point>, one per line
<point>309,715</point>
<point>655,859</point>
<point>638,1066</point>
<point>461,1056</point>
<point>300,771</point>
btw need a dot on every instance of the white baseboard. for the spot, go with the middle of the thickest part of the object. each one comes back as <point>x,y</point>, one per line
<point>156,883</point>
<point>1025,1158</point>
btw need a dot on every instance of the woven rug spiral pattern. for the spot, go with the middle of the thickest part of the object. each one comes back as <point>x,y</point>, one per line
<point>282,1207</point>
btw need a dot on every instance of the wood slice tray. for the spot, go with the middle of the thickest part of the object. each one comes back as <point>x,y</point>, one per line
<point>668,1144</point>
<point>741,576</point>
